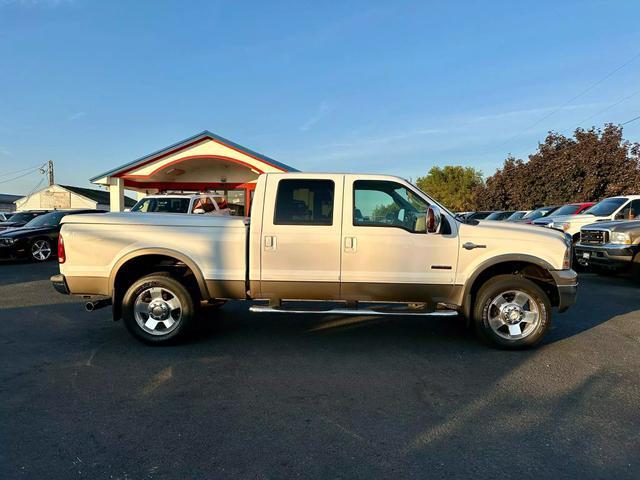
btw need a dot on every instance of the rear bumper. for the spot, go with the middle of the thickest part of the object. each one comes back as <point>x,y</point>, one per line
<point>567,283</point>
<point>60,284</point>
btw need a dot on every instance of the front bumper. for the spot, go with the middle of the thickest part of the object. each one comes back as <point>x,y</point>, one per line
<point>567,283</point>
<point>606,255</point>
<point>60,284</point>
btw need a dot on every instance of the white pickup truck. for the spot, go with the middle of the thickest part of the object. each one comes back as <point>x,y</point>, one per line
<point>370,244</point>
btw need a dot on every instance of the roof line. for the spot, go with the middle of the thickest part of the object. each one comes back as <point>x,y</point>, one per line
<point>202,135</point>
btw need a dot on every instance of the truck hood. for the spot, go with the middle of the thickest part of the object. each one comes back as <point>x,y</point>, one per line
<point>510,230</point>
<point>157,219</point>
<point>619,225</point>
<point>580,219</point>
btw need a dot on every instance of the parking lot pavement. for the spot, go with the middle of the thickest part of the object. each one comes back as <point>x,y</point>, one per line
<point>277,396</point>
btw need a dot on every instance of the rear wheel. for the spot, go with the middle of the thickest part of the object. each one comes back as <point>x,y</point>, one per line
<point>511,312</point>
<point>158,309</point>
<point>41,250</point>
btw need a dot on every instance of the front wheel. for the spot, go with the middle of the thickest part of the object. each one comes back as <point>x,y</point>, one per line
<point>158,309</point>
<point>512,312</point>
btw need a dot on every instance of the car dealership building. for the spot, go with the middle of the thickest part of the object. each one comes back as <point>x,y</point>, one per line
<point>203,162</point>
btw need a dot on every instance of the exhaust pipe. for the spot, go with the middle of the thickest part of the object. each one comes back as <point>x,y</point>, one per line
<point>96,304</point>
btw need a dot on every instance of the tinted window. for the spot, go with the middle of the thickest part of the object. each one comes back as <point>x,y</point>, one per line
<point>567,210</point>
<point>517,215</point>
<point>631,211</point>
<point>498,216</point>
<point>606,207</point>
<point>539,213</point>
<point>388,204</point>
<point>163,205</point>
<point>23,216</point>
<point>47,220</point>
<point>304,202</point>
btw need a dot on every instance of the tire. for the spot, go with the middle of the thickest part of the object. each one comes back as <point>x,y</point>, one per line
<point>40,250</point>
<point>158,309</point>
<point>511,312</point>
<point>635,268</point>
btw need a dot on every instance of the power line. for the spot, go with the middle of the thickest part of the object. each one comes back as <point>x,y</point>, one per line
<point>632,120</point>
<point>21,170</point>
<point>575,97</point>
<point>19,176</point>
<point>615,104</point>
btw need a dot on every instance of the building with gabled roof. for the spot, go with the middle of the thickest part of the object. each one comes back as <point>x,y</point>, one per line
<point>203,162</point>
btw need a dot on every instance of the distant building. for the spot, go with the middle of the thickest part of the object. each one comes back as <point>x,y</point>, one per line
<point>64,197</point>
<point>7,202</point>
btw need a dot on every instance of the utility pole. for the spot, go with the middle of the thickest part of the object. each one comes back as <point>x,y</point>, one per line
<point>50,172</point>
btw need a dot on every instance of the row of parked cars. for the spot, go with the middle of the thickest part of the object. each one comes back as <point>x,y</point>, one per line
<point>33,234</point>
<point>606,234</point>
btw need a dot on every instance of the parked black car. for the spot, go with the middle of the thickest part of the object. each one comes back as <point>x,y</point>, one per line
<point>38,239</point>
<point>20,219</point>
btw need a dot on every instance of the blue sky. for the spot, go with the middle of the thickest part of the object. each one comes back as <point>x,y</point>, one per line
<point>392,87</point>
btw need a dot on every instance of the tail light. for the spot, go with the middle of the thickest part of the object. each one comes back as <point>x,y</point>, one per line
<point>62,256</point>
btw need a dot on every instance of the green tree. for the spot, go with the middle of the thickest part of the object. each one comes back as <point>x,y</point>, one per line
<point>454,186</point>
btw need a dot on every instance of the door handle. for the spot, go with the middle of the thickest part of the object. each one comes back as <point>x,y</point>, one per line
<point>471,246</point>
<point>270,242</point>
<point>350,244</point>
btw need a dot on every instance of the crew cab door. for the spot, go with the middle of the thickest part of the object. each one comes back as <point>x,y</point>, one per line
<point>386,253</point>
<point>300,240</point>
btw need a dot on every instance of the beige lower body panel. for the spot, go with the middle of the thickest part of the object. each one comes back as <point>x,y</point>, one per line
<point>88,285</point>
<point>227,289</point>
<point>358,291</point>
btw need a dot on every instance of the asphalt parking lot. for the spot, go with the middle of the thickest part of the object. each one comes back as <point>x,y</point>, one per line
<point>262,397</point>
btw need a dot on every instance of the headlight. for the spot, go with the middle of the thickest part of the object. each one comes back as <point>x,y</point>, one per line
<point>7,241</point>
<point>620,238</point>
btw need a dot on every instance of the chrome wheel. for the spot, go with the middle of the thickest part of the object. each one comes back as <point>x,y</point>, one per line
<point>513,314</point>
<point>41,250</point>
<point>157,310</point>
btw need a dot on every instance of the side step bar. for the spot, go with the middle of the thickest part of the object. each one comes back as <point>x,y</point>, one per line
<point>355,311</point>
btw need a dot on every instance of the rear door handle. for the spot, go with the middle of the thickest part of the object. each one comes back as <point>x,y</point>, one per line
<point>270,242</point>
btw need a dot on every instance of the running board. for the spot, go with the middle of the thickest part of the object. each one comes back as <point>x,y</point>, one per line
<point>355,311</point>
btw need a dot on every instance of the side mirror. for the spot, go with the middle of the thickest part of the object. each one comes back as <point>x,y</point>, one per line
<point>198,211</point>
<point>434,219</point>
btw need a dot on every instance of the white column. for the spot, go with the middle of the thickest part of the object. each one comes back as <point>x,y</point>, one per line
<point>116,194</point>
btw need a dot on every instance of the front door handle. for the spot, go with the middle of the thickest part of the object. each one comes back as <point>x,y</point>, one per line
<point>471,246</point>
<point>350,244</point>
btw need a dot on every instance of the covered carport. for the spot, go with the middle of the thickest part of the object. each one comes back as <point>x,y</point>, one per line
<point>204,162</point>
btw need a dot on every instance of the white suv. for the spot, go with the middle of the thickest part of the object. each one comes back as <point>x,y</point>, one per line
<point>614,208</point>
<point>199,203</point>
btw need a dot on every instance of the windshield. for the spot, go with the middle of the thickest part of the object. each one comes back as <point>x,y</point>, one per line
<point>567,210</point>
<point>47,220</point>
<point>539,213</point>
<point>22,216</point>
<point>498,215</point>
<point>516,215</point>
<point>606,207</point>
<point>162,205</point>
